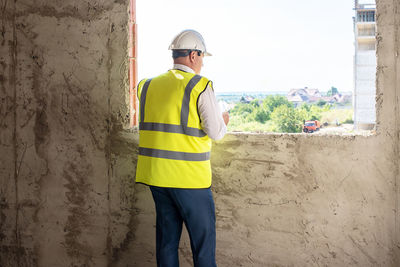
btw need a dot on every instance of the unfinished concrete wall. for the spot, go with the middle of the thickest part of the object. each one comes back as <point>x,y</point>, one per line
<point>67,167</point>
<point>63,82</point>
<point>301,200</point>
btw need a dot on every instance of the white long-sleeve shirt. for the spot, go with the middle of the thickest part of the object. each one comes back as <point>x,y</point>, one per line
<point>210,114</point>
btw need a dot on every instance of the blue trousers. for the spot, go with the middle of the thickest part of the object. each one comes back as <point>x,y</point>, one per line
<point>195,208</point>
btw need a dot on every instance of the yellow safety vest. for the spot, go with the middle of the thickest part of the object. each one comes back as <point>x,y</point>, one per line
<point>174,151</point>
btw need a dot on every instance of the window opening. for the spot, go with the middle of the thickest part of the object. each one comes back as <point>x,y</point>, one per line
<point>264,107</point>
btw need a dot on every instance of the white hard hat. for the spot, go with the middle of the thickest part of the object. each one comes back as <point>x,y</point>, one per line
<point>191,40</point>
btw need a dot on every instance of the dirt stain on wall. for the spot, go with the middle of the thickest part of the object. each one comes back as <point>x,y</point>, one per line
<point>76,201</point>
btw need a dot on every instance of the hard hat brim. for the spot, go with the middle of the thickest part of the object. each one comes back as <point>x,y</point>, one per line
<point>189,40</point>
<point>206,54</point>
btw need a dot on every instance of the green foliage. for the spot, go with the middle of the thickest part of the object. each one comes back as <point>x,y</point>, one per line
<point>337,115</point>
<point>333,91</point>
<point>311,112</point>
<point>287,119</point>
<point>305,107</point>
<point>241,108</point>
<point>315,113</point>
<point>348,121</point>
<point>272,102</point>
<point>261,115</point>
<point>252,126</point>
<point>321,103</point>
<point>274,114</point>
<point>254,103</point>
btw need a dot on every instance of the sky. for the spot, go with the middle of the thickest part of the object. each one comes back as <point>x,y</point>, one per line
<point>257,45</point>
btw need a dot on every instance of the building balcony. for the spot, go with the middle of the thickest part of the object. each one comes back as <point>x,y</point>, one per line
<point>360,22</point>
<point>364,38</point>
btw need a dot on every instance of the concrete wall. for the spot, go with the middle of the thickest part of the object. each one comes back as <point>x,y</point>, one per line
<point>67,167</point>
<point>63,69</point>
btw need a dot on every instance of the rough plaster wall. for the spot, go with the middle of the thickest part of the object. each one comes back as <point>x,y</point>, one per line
<point>397,118</point>
<point>67,196</point>
<point>294,201</point>
<point>297,200</point>
<point>63,84</point>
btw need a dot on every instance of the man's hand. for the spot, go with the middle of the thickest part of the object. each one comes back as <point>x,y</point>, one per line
<point>225,116</point>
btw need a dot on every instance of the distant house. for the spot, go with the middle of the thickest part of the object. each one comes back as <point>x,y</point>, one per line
<point>345,99</point>
<point>246,99</point>
<point>329,99</point>
<point>298,99</point>
<point>342,98</point>
<point>313,99</point>
<point>303,95</point>
<point>305,91</point>
<point>311,95</point>
<point>313,92</point>
<point>337,97</point>
<point>295,92</point>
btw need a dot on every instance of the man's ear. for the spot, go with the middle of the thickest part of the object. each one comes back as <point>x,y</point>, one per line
<point>192,56</point>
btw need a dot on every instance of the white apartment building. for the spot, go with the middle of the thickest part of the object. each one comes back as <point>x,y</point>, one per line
<point>364,66</point>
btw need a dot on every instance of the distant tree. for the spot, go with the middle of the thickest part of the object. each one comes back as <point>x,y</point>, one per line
<point>333,91</point>
<point>315,113</point>
<point>246,108</point>
<point>260,115</point>
<point>311,112</point>
<point>287,119</point>
<point>305,106</point>
<point>244,111</point>
<point>242,100</point>
<point>321,103</point>
<point>272,102</point>
<point>254,103</point>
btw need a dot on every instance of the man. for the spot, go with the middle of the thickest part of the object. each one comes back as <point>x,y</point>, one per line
<point>178,118</point>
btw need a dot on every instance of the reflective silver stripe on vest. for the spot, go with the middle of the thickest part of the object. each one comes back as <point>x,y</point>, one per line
<point>143,98</point>
<point>186,100</point>
<point>171,128</point>
<point>167,154</point>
